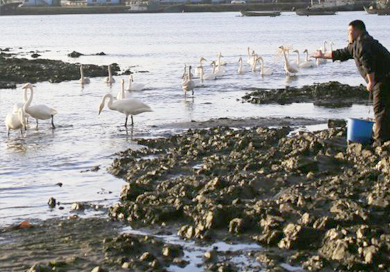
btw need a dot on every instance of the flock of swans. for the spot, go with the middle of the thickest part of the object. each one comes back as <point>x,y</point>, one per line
<point>125,104</point>
<point>291,68</point>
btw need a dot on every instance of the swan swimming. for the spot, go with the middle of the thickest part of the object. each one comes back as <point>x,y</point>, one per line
<point>38,112</point>
<point>217,71</point>
<point>241,69</point>
<point>134,86</point>
<point>219,61</point>
<point>290,70</point>
<point>306,63</point>
<point>16,120</point>
<point>83,80</point>
<point>109,79</point>
<point>128,107</point>
<point>188,84</point>
<point>122,94</point>
<point>197,69</point>
<point>264,71</point>
<point>208,76</point>
<point>323,49</point>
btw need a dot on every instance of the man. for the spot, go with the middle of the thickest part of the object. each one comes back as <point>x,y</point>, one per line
<point>373,62</point>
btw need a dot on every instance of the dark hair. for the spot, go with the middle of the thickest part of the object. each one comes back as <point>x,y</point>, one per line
<point>358,24</point>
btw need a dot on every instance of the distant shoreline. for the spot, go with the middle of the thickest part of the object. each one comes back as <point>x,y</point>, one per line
<point>56,10</point>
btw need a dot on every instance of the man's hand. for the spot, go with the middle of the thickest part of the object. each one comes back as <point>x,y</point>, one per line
<point>371,80</point>
<point>317,55</point>
<point>370,86</point>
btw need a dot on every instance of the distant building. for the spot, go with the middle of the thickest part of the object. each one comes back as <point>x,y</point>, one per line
<point>143,5</point>
<point>30,3</point>
<point>181,1</point>
<point>89,2</point>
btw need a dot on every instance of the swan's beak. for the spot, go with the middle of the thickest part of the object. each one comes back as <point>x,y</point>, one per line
<point>100,109</point>
<point>27,85</point>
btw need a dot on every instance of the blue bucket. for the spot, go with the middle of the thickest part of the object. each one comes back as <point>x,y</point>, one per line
<point>359,131</point>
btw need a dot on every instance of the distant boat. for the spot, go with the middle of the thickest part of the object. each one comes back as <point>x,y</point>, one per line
<point>260,13</point>
<point>370,10</point>
<point>383,11</point>
<point>8,7</point>
<point>310,12</point>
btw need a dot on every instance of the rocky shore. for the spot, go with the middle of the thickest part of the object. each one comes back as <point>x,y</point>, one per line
<point>309,198</point>
<point>321,94</point>
<point>15,70</point>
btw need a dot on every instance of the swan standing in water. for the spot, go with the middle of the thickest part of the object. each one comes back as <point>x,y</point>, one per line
<point>128,107</point>
<point>134,86</point>
<point>220,62</point>
<point>109,79</point>
<point>264,71</point>
<point>20,105</point>
<point>209,76</point>
<point>16,120</point>
<point>188,84</point>
<point>38,112</point>
<point>83,80</point>
<point>290,70</point>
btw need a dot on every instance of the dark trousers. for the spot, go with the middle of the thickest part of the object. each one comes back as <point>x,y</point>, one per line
<point>381,101</point>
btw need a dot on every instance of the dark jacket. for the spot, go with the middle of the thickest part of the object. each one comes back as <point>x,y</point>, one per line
<point>369,55</point>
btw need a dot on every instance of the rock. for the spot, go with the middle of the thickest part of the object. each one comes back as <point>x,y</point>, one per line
<point>77,206</point>
<point>51,202</point>
<point>299,237</point>
<point>100,54</point>
<point>98,269</point>
<point>333,123</point>
<point>75,54</point>
<point>35,55</point>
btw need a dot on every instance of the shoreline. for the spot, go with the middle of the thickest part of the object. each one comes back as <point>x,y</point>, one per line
<point>180,8</point>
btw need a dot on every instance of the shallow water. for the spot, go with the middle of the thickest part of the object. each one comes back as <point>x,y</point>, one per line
<point>32,165</point>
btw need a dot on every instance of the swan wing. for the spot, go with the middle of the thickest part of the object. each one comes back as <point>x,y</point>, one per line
<point>41,112</point>
<point>130,106</point>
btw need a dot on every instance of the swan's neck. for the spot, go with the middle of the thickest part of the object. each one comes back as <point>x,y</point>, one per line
<point>307,56</point>
<point>189,74</point>
<point>213,68</point>
<point>123,89</point>
<point>298,58</point>
<point>109,72</point>
<point>82,72</point>
<point>201,74</point>
<point>262,66</point>
<point>28,103</point>
<point>249,54</point>
<point>285,58</point>
<point>129,87</point>
<point>324,47</point>
<point>111,99</point>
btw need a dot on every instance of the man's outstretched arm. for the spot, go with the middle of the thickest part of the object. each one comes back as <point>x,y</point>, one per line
<point>319,55</point>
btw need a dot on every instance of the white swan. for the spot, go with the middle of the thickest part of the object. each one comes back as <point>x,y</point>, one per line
<point>331,46</point>
<point>134,86</point>
<point>38,112</point>
<point>290,70</point>
<point>254,65</point>
<point>220,62</point>
<point>188,84</point>
<point>217,71</point>
<point>16,120</point>
<point>83,80</point>
<point>109,79</point>
<point>264,71</point>
<point>323,49</point>
<point>250,58</point>
<point>307,63</point>
<point>241,69</point>
<point>122,94</point>
<point>207,76</point>
<point>19,105</point>
<point>126,106</point>
<point>197,69</point>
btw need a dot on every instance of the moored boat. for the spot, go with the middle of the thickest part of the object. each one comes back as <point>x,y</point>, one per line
<point>371,10</point>
<point>260,13</point>
<point>310,12</point>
